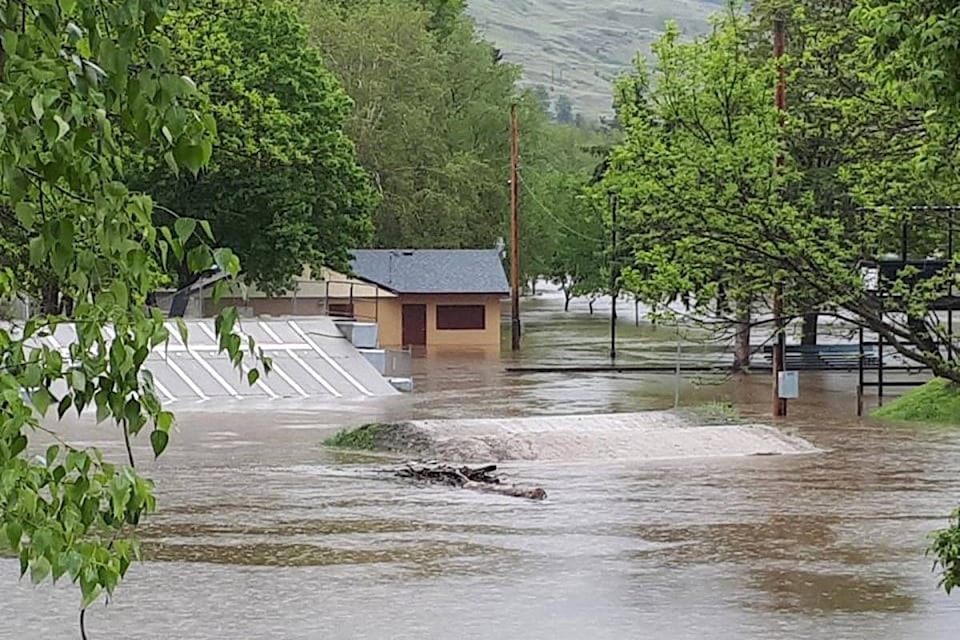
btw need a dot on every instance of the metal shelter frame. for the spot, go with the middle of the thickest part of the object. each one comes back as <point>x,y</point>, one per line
<point>887,270</point>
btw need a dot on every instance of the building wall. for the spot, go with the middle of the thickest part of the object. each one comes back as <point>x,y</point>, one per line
<point>388,314</point>
<point>489,336</point>
<point>390,322</point>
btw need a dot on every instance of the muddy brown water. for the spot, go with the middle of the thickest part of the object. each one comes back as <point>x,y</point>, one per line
<point>264,534</point>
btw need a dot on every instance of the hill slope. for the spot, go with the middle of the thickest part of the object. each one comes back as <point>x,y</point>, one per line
<point>576,47</point>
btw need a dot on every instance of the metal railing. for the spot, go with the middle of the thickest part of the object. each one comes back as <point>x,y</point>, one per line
<point>348,310</point>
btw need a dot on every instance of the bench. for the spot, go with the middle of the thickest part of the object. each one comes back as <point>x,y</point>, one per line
<point>843,357</point>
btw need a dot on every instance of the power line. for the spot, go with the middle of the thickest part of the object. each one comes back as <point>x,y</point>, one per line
<point>550,214</point>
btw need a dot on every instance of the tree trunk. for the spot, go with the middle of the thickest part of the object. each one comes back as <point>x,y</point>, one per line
<point>567,295</point>
<point>590,304</point>
<point>533,286</point>
<point>721,301</point>
<point>741,347</point>
<point>809,337</point>
<point>922,336</point>
<point>50,299</point>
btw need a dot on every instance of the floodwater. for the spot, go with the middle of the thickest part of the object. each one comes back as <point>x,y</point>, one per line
<point>262,533</point>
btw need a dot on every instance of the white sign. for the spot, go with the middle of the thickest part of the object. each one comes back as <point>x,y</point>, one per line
<point>871,278</point>
<point>789,384</point>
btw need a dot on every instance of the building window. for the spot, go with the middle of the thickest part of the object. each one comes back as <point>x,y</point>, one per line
<point>461,316</point>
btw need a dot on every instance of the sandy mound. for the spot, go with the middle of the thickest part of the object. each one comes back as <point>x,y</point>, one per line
<point>648,435</point>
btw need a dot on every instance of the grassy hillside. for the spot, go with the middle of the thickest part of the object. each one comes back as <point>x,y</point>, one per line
<point>577,47</point>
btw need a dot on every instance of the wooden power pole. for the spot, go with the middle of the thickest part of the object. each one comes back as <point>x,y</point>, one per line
<point>614,274</point>
<point>515,231</point>
<point>779,351</point>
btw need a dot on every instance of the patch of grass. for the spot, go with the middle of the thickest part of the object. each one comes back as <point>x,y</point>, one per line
<point>716,413</point>
<point>937,402</point>
<point>363,438</point>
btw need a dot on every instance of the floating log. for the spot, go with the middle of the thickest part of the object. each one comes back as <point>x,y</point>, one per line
<point>531,493</point>
<point>475,478</point>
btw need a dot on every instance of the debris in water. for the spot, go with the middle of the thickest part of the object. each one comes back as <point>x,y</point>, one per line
<point>475,478</point>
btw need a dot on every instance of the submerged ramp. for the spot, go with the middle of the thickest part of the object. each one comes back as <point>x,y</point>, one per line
<point>640,436</point>
<point>311,359</point>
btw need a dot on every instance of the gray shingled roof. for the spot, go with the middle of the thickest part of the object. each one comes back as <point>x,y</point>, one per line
<point>432,270</point>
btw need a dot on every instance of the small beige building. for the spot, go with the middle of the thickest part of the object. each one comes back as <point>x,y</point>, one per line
<point>423,297</point>
<point>432,297</point>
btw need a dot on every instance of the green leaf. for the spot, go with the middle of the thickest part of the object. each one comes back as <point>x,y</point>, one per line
<point>60,257</point>
<point>219,290</point>
<point>17,445</point>
<point>63,127</point>
<point>39,570</point>
<point>156,56</point>
<point>184,228</point>
<point>158,441</point>
<point>32,376</point>
<point>207,231</point>
<point>89,586</point>
<point>53,451</point>
<point>171,161</point>
<point>184,332</point>
<point>198,259</point>
<point>64,406</point>
<point>14,532</point>
<point>37,250</point>
<point>36,105</point>
<point>10,41</point>
<point>164,421</point>
<point>190,156</point>
<point>42,399</point>
<point>116,189</point>
<point>131,411</point>
<point>120,293</point>
<point>103,411</point>
<point>252,376</point>
<point>26,213</point>
<point>78,380</point>
<point>227,261</point>
<point>73,563</point>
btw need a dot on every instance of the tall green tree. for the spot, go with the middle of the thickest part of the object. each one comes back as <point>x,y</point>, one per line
<point>83,87</point>
<point>700,152</point>
<point>911,45</point>
<point>715,218</point>
<point>853,136</point>
<point>430,117</point>
<point>283,189</point>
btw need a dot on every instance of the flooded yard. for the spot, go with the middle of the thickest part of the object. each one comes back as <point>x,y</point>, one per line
<point>263,533</point>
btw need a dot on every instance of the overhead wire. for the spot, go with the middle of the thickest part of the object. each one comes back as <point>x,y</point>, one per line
<point>554,218</point>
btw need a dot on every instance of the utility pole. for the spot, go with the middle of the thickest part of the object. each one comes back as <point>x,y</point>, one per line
<point>779,352</point>
<point>515,232</point>
<point>614,274</point>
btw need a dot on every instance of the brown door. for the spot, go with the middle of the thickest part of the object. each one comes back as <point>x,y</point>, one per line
<point>414,325</point>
